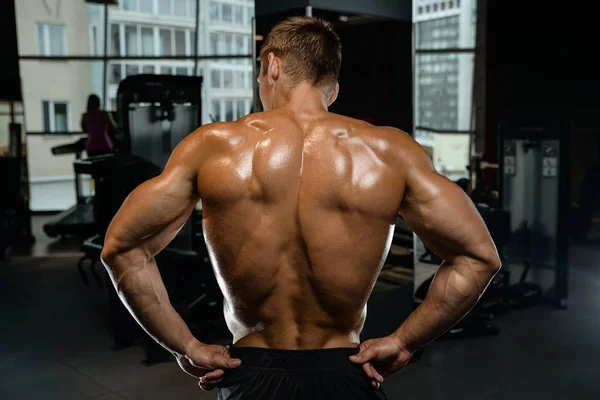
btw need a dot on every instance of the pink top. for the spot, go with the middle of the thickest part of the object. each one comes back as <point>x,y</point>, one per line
<point>96,125</point>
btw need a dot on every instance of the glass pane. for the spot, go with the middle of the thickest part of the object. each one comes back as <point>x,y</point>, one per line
<point>46,116</point>
<point>165,42</point>
<point>227,12</point>
<point>44,25</point>
<point>215,77</point>
<point>116,73</point>
<point>229,110</point>
<point>449,152</point>
<point>228,43</point>
<point>148,69</point>
<point>192,9</point>
<point>214,43</point>
<point>180,43</point>
<point>56,40</point>
<point>248,82</point>
<point>444,84</point>
<point>216,111</point>
<point>228,79</point>
<point>130,5</point>
<point>181,71</point>
<point>132,69</point>
<point>146,6</point>
<point>131,41</point>
<point>40,40</point>
<point>239,80</point>
<point>239,45</point>
<point>147,41</point>
<point>239,15</point>
<point>166,70</point>
<point>179,7</point>
<point>214,11</point>
<point>164,7</point>
<point>241,109</point>
<point>60,117</point>
<point>456,31</point>
<point>115,40</point>
<point>249,16</point>
<point>55,93</point>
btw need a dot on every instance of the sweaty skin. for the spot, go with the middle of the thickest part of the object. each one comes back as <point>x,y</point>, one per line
<point>299,207</point>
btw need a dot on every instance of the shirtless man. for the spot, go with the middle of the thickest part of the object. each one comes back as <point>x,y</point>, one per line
<point>299,207</point>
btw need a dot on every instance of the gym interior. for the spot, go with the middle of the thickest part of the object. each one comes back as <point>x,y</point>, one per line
<point>503,96</point>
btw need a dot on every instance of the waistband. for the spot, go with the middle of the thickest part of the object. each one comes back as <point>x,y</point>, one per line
<point>293,359</point>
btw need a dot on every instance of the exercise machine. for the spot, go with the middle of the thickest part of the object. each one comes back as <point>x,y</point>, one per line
<point>79,219</point>
<point>534,184</point>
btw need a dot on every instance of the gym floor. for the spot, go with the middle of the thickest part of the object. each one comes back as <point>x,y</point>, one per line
<point>55,343</point>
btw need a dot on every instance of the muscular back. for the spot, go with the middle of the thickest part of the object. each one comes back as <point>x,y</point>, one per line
<point>298,217</point>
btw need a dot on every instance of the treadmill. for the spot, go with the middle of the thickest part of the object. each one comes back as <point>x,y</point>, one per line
<point>78,220</point>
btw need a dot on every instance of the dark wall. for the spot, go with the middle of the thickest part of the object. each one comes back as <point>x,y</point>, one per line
<point>540,68</point>
<point>393,9</point>
<point>376,76</point>
<point>10,85</point>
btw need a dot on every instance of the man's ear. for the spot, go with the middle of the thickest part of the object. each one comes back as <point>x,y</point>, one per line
<point>273,69</point>
<point>334,95</point>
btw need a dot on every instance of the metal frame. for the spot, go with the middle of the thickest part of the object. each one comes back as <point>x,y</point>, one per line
<point>561,288</point>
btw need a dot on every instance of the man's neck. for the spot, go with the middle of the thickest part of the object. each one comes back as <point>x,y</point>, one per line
<point>303,98</point>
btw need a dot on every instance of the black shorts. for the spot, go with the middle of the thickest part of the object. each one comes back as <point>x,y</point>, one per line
<point>295,375</point>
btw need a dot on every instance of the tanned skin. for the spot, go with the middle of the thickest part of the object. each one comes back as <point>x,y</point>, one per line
<point>299,207</point>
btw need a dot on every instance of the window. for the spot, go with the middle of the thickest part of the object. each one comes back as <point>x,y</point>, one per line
<point>227,10</point>
<point>129,5</point>
<point>132,69</point>
<point>180,43</point>
<point>229,110</point>
<point>216,111</point>
<point>239,15</point>
<point>166,70</point>
<point>146,6</point>
<point>239,80</point>
<point>215,77</point>
<point>250,15</point>
<point>131,43</point>
<point>115,40</point>
<point>228,42</point>
<point>165,42</point>
<point>239,45</point>
<point>148,69</point>
<point>181,71</point>
<point>51,40</point>
<point>116,74</point>
<point>214,11</point>
<point>147,41</point>
<point>228,79</point>
<point>214,43</point>
<point>164,7</point>
<point>241,109</point>
<point>192,5</point>
<point>179,7</point>
<point>56,116</point>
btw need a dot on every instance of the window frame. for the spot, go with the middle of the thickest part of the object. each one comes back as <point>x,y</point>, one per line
<point>45,45</point>
<point>52,115</point>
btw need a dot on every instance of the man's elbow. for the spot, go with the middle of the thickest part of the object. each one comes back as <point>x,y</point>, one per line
<point>110,251</point>
<point>492,261</point>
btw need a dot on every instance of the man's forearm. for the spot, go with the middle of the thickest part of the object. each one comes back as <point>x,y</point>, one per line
<point>452,294</point>
<point>141,289</point>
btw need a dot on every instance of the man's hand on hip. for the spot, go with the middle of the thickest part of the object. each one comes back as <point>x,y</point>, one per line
<point>209,363</point>
<point>381,357</point>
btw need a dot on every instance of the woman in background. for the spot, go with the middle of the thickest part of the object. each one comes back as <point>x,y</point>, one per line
<point>99,125</point>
